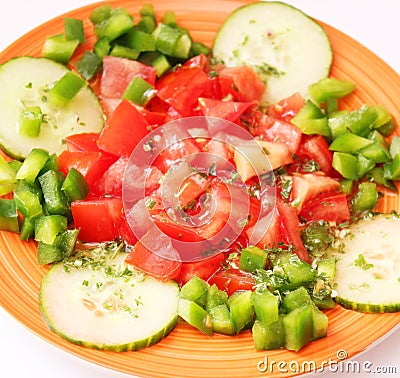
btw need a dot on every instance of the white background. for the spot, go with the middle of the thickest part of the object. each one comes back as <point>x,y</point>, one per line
<point>374,23</point>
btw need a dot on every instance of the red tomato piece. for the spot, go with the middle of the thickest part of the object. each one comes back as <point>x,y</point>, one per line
<point>123,131</point>
<point>91,165</point>
<point>266,233</point>
<point>232,280</point>
<point>118,72</point>
<point>181,88</point>
<point>125,232</point>
<point>164,268</point>
<point>307,186</point>
<point>203,269</point>
<point>332,208</point>
<point>229,110</point>
<point>287,108</point>
<point>316,148</point>
<point>97,219</point>
<point>242,83</point>
<point>82,142</point>
<point>290,231</point>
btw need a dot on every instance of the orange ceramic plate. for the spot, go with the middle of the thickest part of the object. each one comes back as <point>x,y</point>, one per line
<point>186,352</point>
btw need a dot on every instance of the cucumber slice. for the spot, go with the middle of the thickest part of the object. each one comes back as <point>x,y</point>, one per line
<point>288,49</point>
<point>25,82</point>
<point>98,301</point>
<point>368,271</point>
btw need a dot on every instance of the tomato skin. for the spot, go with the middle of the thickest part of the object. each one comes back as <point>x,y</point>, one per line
<point>315,147</point>
<point>229,110</point>
<point>90,164</point>
<point>203,269</point>
<point>157,266</point>
<point>82,142</point>
<point>118,72</point>
<point>290,231</point>
<point>181,88</point>
<point>97,219</point>
<point>333,208</point>
<point>123,131</point>
<point>287,108</point>
<point>242,83</point>
<point>232,280</point>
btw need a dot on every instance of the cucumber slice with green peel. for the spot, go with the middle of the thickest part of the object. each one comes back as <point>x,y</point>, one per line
<point>26,82</point>
<point>97,300</point>
<point>288,49</point>
<point>367,275</point>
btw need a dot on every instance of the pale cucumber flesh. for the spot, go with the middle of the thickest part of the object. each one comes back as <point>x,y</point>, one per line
<point>114,307</point>
<point>25,81</point>
<point>287,48</point>
<point>368,267</point>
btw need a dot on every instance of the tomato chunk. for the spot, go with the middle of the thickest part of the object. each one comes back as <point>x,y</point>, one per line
<point>124,130</point>
<point>232,280</point>
<point>97,219</point>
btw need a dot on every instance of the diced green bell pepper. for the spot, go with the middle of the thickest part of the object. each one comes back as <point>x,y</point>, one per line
<point>124,52</point>
<point>346,186</point>
<point>195,315</point>
<point>140,40</point>
<point>330,87</point>
<point>32,165</point>
<point>139,91</point>
<point>66,89</point>
<point>366,197</point>
<point>311,120</point>
<point>266,307</point>
<point>252,258</point>
<point>376,152</point>
<point>8,215</point>
<point>379,176</point>
<point>89,65</point>
<point>59,48</point>
<point>364,165</point>
<point>156,60</point>
<point>47,228</point>
<point>75,185</point>
<point>102,47</point>
<point>112,27</point>
<point>100,14</point>
<point>195,290</point>
<point>242,310</point>
<point>221,320</point>
<point>8,181</point>
<point>349,143</point>
<point>27,229</point>
<point>267,337</point>
<point>346,165</point>
<point>215,297</point>
<point>30,121</point>
<point>74,29</point>
<point>28,199</point>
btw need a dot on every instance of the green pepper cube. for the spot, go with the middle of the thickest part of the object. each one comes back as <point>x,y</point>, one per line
<point>47,227</point>
<point>195,315</point>
<point>366,197</point>
<point>28,199</point>
<point>395,146</point>
<point>364,165</point>
<point>199,48</point>
<point>166,39</point>
<point>112,27</point>
<point>266,307</point>
<point>379,175</point>
<point>349,143</point>
<point>75,185</point>
<point>124,52</point>
<point>156,60</point>
<point>267,337</point>
<point>346,186</point>
<point>376,152</point>
<point>330,87</point>
<point>221,320</point>
<point>140,41</point>
<point>139,91</point>
<point>361,121</point>
<point>295,299</point>
<point>395,168</point>
<point>59,48</point>
<point>51,164</point>
<point>27,229</point>
<point>169,18</point>
<point>242,310</point>
<point>346,165</point>
<point>146,24</point>
<point>73,29</point>
<point>383,117</point>
<point>195,290</point>
<point>62,247</point>
<point>297,270</point>
<point>337,123</point>
<point>100,14</point>
<point>311,120</point>
<point>252,258</point>
<point>66,88</point>
<point>30,121</point>
<point>55,200</point>
<point>215,297</point>
<point>8,181</point>
<point>326,268</point>
<point>147,10</point>
<point>102,47</point>
<point>298,326</point>
<point>183,46</point>
<point>89,65</point>
<point>8,215</point>
<point>32,165</point>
